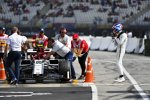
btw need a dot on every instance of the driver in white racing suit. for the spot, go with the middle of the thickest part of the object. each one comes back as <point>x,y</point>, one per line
<point>121,41</point>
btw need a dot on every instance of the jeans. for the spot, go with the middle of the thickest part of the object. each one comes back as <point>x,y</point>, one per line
<point>69,57</point>
<point>13,56</point>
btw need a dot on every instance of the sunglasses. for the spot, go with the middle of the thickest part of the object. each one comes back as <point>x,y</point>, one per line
<point>75,39</point>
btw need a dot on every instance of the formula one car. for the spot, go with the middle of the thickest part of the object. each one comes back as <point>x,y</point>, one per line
<point>39,69</point>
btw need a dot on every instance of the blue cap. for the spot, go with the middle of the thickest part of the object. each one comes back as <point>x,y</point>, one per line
<point>2,28</point>
<point>42,30</point>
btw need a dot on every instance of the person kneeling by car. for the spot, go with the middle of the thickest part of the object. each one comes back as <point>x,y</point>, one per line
<point>63,51</point>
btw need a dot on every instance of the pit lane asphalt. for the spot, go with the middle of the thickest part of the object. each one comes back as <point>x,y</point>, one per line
<point>137,75</point>
<point>105,71</point>
<point>45,93</point>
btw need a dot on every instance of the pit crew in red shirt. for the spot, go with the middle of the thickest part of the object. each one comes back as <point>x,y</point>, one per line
<point>40,42</point>
<point>81,49</point>
<point>3,40</point>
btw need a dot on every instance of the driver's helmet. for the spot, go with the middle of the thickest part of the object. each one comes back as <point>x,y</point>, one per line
<point>117,28</point>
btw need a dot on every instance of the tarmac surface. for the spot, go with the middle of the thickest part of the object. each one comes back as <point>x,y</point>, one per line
<point>137,75</point>
<point>45,93</point>
<point>136,86</point>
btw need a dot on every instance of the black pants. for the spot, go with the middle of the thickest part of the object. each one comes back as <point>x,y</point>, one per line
<point>82,63</point>
<point>13,56</point>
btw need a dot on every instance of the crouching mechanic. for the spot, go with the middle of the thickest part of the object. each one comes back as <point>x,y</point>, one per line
<point>121,41</point>
<point>81,49</point>
<point>63,51</point>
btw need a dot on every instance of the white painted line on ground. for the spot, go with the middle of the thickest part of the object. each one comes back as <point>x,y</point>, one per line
<point>14,92</point>
<point>35,85</point>
<point>20,94</point>
<point>93,87</point>
<point>94,92</point>
<point>15,96</point>
<point>136,86</point>
<point>134,83</point>
<point>140,60</point>
<point>114,84</point>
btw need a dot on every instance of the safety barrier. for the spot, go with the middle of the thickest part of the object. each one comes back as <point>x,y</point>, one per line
<point>134,45</point>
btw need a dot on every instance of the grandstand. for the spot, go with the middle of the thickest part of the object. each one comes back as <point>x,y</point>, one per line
<point>86,17</point>
<point>77,15</point>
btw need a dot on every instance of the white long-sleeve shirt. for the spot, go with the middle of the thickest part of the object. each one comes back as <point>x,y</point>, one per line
<point>121,43</point>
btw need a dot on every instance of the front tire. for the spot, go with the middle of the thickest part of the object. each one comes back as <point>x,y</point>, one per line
<point>64,69</point>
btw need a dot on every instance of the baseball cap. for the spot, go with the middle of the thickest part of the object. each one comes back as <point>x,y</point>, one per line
<point>2,28</point>
<point>75,36</point>
<point>42,30</point>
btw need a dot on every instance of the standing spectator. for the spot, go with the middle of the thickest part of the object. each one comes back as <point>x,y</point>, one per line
<point>14,44</point>
<point>121,40</point>
<point>63,51</point>
<point>81,49</point>
<point>3,41</point>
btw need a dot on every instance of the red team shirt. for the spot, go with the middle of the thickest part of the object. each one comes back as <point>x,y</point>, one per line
<point>42,39</point>
<point>80,44</point>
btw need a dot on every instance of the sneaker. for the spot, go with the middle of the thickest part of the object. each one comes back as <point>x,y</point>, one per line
<point>120,79</point>
<point>16,84</point>
<point>81,77</point>
<point>13,82</point>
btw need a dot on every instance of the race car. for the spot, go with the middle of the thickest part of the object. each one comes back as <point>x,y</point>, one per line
<point>39,69</point>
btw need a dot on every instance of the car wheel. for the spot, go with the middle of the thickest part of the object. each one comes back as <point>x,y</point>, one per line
<point>64,69</point>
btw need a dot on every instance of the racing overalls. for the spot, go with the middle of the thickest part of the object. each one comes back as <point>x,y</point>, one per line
<point>121,41</point>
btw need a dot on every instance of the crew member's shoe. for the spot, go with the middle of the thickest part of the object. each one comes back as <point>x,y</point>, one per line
<point>120,79</point>
<point>74,77</point>
<point>81,77</point>
<point>13,82</point>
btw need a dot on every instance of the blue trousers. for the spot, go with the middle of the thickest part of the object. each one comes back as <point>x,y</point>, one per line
<point>69,57</point>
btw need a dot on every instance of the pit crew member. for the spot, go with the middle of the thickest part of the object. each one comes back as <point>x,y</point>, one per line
<point>14,44</point>
<point>81,49</point>
<point>63,51</point>
<point>63,37</point>
<point>3,41</point>
<point>39,43</point>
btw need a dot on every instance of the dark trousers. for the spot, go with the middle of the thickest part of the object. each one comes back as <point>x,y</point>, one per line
<point>82,63</point>
<point>13,56</point>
